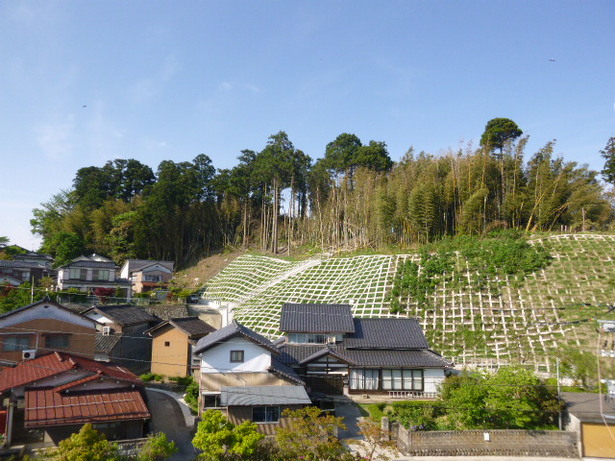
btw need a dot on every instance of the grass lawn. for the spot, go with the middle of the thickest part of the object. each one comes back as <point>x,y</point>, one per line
<point>373,410</point>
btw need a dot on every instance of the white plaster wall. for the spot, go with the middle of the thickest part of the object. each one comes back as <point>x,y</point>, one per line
<point>432,377</point>
<point>99,318</point>
<point>217,359</point>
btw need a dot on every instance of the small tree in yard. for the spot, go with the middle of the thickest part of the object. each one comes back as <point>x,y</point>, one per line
<point>310,435</point>
<point>221,440</point>
<point>86,445</point>
<point>157,448</point>
<point>376,441</point>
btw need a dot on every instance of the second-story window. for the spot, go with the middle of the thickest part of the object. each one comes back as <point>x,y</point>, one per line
<point>236,356</point>
<point>77,273</point>
<point>100,274</point>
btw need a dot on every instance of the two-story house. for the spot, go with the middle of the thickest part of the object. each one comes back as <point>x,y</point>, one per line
<point>147,275</point>
<point>241,375</point>
<point>86,273</point>
<point>42,327</point>
<point>173,343</point>
<point>336,353</point>
<point>121,335</point>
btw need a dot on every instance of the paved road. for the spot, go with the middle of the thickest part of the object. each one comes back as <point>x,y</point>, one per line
<point>167,417</point>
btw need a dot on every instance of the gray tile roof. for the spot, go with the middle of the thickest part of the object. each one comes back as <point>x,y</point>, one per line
<point>316,318</point>
<point>21,264</point>
<point>285,371</point>
<point>263,395</point>
<point>395,359</point>
<point>387,333</point>
<point>138,264</point>
<point>126,314</point>
<point>106,343</point>
<point>167,312</point>
<point>232,330</point>
<point>194,326</point>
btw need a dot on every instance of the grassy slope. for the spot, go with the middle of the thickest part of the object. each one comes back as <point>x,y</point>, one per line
<point>524,321</point>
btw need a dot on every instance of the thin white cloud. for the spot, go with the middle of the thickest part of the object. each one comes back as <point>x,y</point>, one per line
<point>147,88</point>
<point>230,86</point>
<point>55,138</point>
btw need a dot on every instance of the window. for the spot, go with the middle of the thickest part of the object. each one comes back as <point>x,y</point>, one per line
<point>167,343</point>
<point>57,341</point>
<point>366,379</point>
<point>152,278</point>
<point>100,274</point>
<point>265,414</point>
<point>16,343</point>
<point>236,356</point>
<point>77,274</point>
<point>407,380</point>
<point>307,338</point>
<point>211,400</point>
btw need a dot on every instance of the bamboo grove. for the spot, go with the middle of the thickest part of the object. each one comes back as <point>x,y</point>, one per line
<point>279,200</point>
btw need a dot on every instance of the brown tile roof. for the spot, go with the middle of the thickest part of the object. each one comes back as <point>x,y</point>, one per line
<point>55,363</point>
<point>52,408</point>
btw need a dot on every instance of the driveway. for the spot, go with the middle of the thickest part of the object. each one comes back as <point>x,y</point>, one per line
<point>167,417</point>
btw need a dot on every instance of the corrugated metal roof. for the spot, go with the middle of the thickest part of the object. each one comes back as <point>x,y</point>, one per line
<point>50,408</point>
<point>263,395</point>
<point>387,333</point>
<point>106,343</point>
<point>316,318</point>
<point>55,363</point>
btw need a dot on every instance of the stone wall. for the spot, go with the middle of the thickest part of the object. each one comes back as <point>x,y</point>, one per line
<point>487,442</point>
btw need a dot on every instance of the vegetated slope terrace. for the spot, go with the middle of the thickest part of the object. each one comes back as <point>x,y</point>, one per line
<point>524,320</point>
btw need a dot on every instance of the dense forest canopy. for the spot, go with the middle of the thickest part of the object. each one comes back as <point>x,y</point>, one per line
<point>279,199</point>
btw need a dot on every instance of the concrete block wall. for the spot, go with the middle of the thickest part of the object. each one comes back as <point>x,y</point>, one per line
<point>487,442</point>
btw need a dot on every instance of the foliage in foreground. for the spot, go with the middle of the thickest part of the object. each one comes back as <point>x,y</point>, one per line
<point>511,398</point>
<point>86,445</point>
<point>91,445</point>
<point>221,440</point>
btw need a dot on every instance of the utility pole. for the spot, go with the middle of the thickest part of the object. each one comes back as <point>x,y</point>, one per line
<point>559,398</point>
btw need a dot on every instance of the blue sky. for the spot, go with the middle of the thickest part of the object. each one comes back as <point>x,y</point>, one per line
<point>170,80</point>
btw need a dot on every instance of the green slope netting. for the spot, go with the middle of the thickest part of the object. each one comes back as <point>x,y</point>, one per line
<point>522,321</point>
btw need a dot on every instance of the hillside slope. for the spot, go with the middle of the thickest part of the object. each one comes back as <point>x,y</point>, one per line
<point>523,321</point>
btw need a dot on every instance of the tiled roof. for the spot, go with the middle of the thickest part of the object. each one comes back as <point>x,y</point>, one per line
<point>292,355</point>
<point>193,326</point>
<point>52,408</point>
<point>55,363</point>
<point>167,312</point>
<point>45,300</point>
<point>126,314</point>
<point>285,371</point>
<point>20,264</point>
<point>138,264</point>
<point>106,343</point>
<point>387,333</point>
<point>395,359</point>
<point>263,395</point>
<point>316,318</point>
<point>230,331</point>
<point>94,264</point>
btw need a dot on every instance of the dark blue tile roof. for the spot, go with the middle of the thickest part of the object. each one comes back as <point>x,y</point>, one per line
<point>230,331</point>
<point>387,333</point>
<point>316,318</point>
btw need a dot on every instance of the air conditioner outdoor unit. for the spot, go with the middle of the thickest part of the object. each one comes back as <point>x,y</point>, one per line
<point>28,354</point>
<point>106,331</point>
